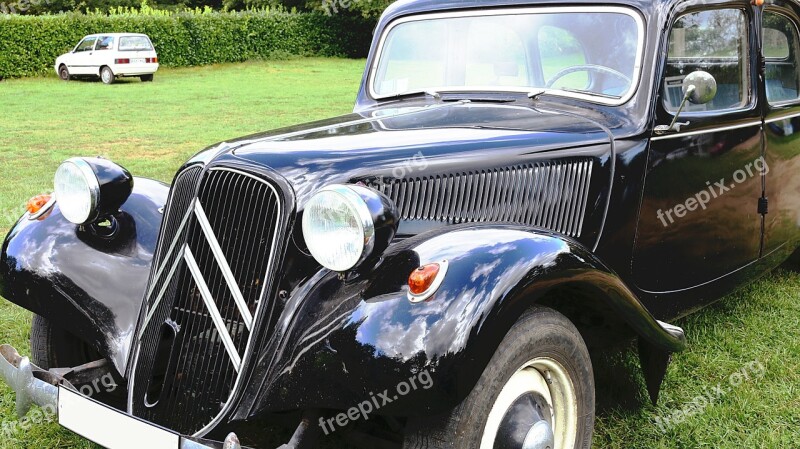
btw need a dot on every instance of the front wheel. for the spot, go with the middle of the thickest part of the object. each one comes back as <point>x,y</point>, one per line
<point>63,73</point>
<point>54,347</point>
<point>107,75</point>
<point>537,392</point>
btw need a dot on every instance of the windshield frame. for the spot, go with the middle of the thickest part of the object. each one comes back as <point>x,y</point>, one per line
<point>591,97</point>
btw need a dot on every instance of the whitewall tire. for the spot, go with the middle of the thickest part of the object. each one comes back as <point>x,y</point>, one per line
<point>536,393</point>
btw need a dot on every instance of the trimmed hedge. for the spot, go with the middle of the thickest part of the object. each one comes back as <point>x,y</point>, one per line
<point>29,45</point>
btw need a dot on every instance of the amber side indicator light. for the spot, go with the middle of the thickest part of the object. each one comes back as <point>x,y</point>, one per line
<point>36,203</point>
<point>422,278</point>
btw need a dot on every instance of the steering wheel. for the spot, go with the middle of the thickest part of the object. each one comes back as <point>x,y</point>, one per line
<point>587,68</point>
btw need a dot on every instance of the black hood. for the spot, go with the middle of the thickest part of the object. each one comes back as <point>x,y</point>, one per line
<point>394,142</point>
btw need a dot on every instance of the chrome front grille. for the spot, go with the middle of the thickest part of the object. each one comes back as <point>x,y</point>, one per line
<point>551,195</point>
<point>209,285</point>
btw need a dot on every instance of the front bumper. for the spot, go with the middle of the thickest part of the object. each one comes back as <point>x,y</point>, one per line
<point>88,418</point>
<point>113,429</point>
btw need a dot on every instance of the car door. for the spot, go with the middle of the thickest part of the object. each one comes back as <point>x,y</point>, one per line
<point>781,49</point>
<point>103,53</point>
<point>699,215</point>
<point>80,62</point>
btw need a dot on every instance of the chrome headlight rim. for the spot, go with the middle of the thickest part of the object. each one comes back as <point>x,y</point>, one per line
<point>92,185</point>
<point>362,214</point>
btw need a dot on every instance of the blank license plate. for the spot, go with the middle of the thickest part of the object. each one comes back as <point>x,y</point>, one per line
<point>108,427</point>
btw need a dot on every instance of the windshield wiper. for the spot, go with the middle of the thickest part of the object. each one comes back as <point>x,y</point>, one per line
<point>588,92</point>
<point>535,94</point>
<point>415,93</point>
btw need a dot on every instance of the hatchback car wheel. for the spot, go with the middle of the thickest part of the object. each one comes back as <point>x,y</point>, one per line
<point>107,75</point>
<point>146,78</point>
<point>537,392</point>
<point>63,73</point>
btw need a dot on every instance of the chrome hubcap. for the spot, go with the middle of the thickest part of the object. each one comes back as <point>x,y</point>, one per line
<point>539,437</point>
<point>536,409</point>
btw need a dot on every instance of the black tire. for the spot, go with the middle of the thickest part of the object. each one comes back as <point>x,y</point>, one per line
<point>63,73</point>
<point>147,78</point>
<point>106,75</point>
<point>540,334</point>
<point>53,347</point>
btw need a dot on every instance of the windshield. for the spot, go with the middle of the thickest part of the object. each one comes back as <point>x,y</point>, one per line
<point>136,43</point>
<point>585,52</point>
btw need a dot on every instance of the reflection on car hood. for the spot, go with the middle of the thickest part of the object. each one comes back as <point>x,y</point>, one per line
<point>460,135</point>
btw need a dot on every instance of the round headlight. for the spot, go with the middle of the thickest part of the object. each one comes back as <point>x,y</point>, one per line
<point>88,189</point>
<point>338,228</point>
<point>77,190</point>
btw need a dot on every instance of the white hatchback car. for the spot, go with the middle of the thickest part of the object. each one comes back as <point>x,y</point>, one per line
<point>109,56</point>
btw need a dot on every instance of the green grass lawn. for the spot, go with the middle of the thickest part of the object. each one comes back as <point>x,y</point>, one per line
<point>152,128</point>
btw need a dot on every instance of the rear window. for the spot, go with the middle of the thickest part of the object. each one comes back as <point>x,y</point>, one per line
<point>135,43</point>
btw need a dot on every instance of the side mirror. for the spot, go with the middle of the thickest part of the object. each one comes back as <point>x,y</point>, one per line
<point>705,87</point>
<point>698,88</point>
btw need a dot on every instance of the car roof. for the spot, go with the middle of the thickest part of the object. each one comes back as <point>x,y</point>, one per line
<point>408,7</point>
<point>402,7</point>
<point>115,35</point>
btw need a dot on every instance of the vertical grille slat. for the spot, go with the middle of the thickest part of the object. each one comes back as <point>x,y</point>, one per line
<point>244,216</point>
<point>570,208</point>
<point>552,188</point>
<point>492,179</point>
<point>551,195</point>
<point>567,192</point>
<point>584,196</point>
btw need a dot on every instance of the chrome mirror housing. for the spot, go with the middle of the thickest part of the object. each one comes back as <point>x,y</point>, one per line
<point>699,87</point>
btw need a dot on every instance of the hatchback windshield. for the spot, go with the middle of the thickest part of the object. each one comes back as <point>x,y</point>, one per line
<point>584,52</point>
<point>139,43</point>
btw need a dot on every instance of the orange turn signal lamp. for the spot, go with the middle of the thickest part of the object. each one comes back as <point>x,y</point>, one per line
<point>425,280</point>
<point>36,203</point>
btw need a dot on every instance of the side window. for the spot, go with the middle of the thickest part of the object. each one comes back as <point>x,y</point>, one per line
<point>105,43</point>
<point>715,41</point>
<point>781,53</point>
<point>86,45</point>
<point>560,50</point>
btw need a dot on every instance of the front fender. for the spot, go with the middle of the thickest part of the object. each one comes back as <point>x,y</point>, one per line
<point>353,340</point>
<point>89,284</point>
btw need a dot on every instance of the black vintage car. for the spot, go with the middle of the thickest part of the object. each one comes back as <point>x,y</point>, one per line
<point>522,183</point>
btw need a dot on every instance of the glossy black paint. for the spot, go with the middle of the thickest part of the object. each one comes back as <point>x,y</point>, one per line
<point>116,185</point>
<point>385,219</point>
<point>451,137</point>
<point>782,223</point>
<point>355,338</point>
<point>338,339</point>
<point>727,229</point>
<point>90,283</point>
